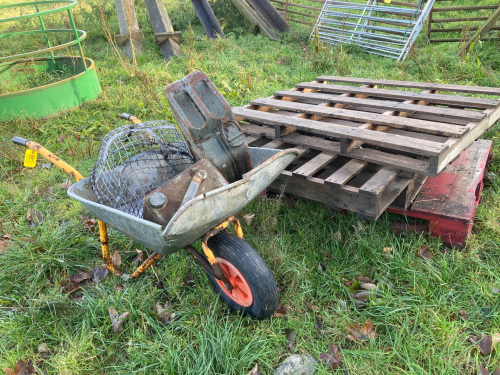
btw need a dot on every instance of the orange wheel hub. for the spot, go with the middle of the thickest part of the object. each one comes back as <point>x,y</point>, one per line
<point>242,294</point>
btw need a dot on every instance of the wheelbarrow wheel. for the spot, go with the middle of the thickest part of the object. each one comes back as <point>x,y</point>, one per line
<point>254,290</point>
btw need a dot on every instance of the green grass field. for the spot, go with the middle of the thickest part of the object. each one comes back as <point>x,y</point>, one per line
<point>417,315</point>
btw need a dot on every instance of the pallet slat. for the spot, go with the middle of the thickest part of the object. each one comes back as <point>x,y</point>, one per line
<point>346,173</point>
<point>404,95</point>
<point>376,138</point>
<point>391,121</point>
<point>414,85</point>
<point>314,165</point>
<point>384,104</point>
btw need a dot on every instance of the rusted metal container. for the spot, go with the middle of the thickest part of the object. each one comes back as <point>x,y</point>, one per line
<point>162,204</point>
<point>207,123</point>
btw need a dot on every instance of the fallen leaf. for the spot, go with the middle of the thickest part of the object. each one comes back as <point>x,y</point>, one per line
<point>22,368</point>
<point>363,279</point>
<point>423,252</point>
<point>347,282</point>
<point>116,259</point>
<point>483,371</point>
<point>42,348</point>
<point>337,236</point>
<point>290,336</point>
<point>312,307</point>
<point>332,358</point>
<point>364,333</point>
<point>387,250</point>
<point>117,320</point>
<point>358,228</point>
<point>319,323</point>
<point>90,225</point>
<point>248,218</point>
<point>65,185</point>
<point>4,242</point>
<point>80,277</point>
<point>99,273</point>
<point>139,258</point>
<point>463,314</point>
<point>38,193</point>
<point>484,344</point>
<point>495,290</point>
<point>189,280</point>
<point>118,287</point>
<point>34,217</point>
<point>281,311</point>
<point>164,314</point>
<point>369,286</point>
<point>255,370</point>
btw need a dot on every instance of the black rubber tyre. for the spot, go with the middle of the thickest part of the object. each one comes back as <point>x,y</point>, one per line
<point>255,271</point>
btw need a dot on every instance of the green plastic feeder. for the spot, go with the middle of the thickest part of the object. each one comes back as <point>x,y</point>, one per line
<point>79,84</point>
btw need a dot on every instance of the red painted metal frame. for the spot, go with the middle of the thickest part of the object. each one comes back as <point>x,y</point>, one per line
<point>456,195</point>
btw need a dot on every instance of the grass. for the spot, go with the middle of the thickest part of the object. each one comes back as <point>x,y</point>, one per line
<point>416,316</point>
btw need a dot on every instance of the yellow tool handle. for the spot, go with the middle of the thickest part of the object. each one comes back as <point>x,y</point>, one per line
<point>49,156</point>
<point>131,118</point>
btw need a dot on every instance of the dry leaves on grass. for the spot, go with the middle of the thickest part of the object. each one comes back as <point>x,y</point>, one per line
<point>423,252</point>
<point>483,371</point>
<point>117,320</point>
<point>255,370</point>
<point>34,218</point>
<point>281,311</point>
<point>22,368</point>
<point>362,333</point>
<point>116,259</point>
<point>248,218</point>
<point>359,228</point>
<point>88,223</point>
<point>139,258</point>
<point>4,242</point>
<point>99,273</point>
<point>65,185</point>
<point>387,250</point>
<point>485,344</point>
<point>74,281</point>
<point>463,314</point>
<point>312,307</point>
<point>332,358</point>
<point>165,314</point>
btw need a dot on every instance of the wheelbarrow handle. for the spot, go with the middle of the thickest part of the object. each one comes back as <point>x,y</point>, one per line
<point>58,162</point>
<point>130,118</point>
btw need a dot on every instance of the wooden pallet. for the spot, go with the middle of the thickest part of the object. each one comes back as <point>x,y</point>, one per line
<point>415,131</point>
<point>450,201</point>
<point>342,183</point>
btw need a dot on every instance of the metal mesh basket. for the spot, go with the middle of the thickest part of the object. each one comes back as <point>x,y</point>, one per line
<point>136,159</point>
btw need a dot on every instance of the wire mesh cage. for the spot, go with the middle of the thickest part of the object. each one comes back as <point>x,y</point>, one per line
<point>135,160</point>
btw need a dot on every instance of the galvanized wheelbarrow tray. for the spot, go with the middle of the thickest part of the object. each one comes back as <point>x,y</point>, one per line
<point>197,216</point>
<point>244,282</point>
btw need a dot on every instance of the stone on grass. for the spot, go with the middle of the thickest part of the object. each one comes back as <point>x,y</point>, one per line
<point>297,364</point>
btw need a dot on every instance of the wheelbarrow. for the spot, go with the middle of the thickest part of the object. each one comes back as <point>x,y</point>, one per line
<point>245,282</point>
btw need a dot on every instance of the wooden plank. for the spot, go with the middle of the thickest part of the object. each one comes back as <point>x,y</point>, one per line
<point>391,121</point>
<point>273,144</point>
<point>453,9</point>
<point>483,30</point>
<point>390,141</point>
<point>406,163</point>
<point>314,165</point>
<point>469,102</point>
<point>438,112</point>
<point>414,85</point>
<point>346,173</point>
<point>380,181</point>
<point>457,145</point>
<point>251,139</point>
